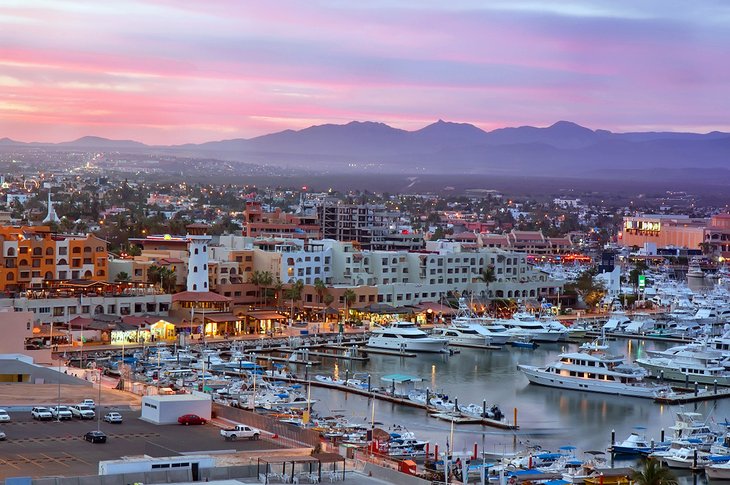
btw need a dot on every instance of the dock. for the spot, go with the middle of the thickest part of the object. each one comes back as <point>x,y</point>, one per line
<point>271,358</point>
<point>456,418</point>
<point>687,397</point>
<point>397,353</point>
<point>398,400</point>
<point>656,338</point>
<point>477,346</point>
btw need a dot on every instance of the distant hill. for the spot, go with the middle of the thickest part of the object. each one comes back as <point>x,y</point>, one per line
<point>564,148</point>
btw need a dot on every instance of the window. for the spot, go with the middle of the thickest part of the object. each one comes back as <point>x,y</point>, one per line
<point>76,250</point>
<point>87,249</point>
<point>11,252</point>
<point>49,251</point>
<point>196,251</point>
<point>62,251</point>
<point>23,250</point>
<point>37,252</point>
<point>85,309</point>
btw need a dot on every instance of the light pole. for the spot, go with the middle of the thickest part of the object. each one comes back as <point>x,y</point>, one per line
<point>98,404</point>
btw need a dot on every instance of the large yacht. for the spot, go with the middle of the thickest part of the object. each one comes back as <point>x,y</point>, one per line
<point>407,337</point>
<point>527,324</point>
<point>688,365</point>
<point>472,328</point>
<point>594,371</point>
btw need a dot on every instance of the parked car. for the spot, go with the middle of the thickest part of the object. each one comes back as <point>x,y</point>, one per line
<point>113,417</point>
<point>82,412</point>
<point>61,412</point>
<point>2,436</point>
<point>4,416</point>
<point>95,437</point>
<point>187,419</point>
<point>241,431</point>
<point>89,403</point>
<point>41,413</point>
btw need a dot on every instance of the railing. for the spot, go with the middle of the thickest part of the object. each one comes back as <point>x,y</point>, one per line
<point>300,435</point>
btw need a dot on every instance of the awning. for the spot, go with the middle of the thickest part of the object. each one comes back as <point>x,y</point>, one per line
<point>264,315</point>
<point>222,317</point>
<point>435,308</point>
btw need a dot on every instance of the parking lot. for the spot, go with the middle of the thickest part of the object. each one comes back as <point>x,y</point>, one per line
<point>50,448</point>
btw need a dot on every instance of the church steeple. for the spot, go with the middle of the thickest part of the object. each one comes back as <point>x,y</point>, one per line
<point>51,217</point>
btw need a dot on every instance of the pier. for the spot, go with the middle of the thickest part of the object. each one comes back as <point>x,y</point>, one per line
<point>402,401</point>
<point>691,396</point>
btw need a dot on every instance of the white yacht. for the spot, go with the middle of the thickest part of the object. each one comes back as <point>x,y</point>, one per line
<point>594,371</point>
<point>528,325</point>
<point>694,271</point>
<point>407,337</point>
<point>464,334</point>
<point>464,319</point>
<point>687,365</point>
<point>617,321</point>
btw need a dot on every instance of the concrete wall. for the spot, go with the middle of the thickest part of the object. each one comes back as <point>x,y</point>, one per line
<point>392,476</point>
<point>160,410</point>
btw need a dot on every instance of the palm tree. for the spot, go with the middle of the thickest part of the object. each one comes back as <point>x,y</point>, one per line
<point>652,473</point>
<point>255,279</point>
<point>705,247</point>
<point>265,281</point>
<point>153,274</point>
<point>327,300</point>
<point>348,297</point>
<point>487,276</point>
<point>168,278</point>
<point>122,277</point>
<point>320,288</point>
<point>277,287</point>
<point>294,294</point>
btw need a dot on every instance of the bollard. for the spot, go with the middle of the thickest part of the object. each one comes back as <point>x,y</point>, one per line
<point>371,391</point>
<point>714,386</point>
<point>436,452</point>
<point>306,373</point>
<point>427,398</point>
<point>427,449</point>
<point>696,388</point>
<point>476,450</point>
<point>456,404</point>
<point>613,437</point>
<point>484,408</point>
<point>686,381</point>
<point>347,375</point>
<point>694,459</point>
<point>661,376</point>
<point>515,417</point>
<point>652,444</point>
<point>661,438</point>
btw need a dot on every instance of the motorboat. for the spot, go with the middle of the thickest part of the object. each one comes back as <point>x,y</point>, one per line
<point>594,371</point>
<point>525,323</point>
<point>406,337</point>
<point>637,444</point>
<point>464,318</point>
<point>688,366</point>
<point>694,271</point>
<point>464,334</point>
<point>718,471</point>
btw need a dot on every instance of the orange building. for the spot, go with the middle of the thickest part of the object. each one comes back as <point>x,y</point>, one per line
<point>33,255</point>
<point>257,223</point>
<point>677,231</point>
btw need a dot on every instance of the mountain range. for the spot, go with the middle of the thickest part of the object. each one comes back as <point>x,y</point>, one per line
<point>563,147</point>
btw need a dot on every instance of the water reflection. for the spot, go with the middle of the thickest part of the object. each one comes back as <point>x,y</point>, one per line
<point>549,416</point>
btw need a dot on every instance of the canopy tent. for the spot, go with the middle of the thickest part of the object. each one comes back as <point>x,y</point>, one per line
<point>305,466</point>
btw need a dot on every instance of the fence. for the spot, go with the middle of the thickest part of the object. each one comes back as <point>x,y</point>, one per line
<point>303,436</point>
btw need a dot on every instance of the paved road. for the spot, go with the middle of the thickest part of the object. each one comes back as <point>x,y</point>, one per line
<point>40,449</point>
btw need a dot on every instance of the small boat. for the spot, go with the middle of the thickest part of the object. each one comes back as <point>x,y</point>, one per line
<point>523,342</point>
<point>637,444</point>
<point>329,380</point>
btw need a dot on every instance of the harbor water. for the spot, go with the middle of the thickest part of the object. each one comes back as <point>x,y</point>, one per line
<point>548,417</point>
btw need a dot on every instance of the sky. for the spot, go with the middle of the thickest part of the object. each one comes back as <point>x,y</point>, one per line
<point>179,71</point>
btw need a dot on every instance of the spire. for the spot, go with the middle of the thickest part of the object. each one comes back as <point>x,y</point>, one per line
<point>51,217</point>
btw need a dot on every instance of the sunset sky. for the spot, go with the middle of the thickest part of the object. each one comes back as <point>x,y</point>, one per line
<point>177,71</point>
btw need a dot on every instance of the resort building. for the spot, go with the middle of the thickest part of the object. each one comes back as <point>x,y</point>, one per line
<point>678,231</point>
<point>34,256</point>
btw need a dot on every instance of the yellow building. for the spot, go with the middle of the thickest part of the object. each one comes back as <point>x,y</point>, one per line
<point>34,255</point>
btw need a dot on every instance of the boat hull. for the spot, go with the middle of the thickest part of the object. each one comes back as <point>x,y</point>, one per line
<point>718,472</point>
<point>537,376</point>
<point>672,374</point>
<point>415,345</point>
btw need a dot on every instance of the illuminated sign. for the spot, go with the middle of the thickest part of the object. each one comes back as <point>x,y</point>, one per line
<point>642,281</point>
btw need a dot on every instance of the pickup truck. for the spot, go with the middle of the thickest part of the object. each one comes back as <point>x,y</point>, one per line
<point>241,431</point>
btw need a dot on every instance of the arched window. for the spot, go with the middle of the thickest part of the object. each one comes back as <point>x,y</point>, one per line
<point>76,250</point>
<point>196,250</point>
<point>195,287</point>
<point>205,249</point>
<point>48,275</point>
<point>10,276</point>
<point>195,269</point>
<point>62,262</point>
<point>23,262</point>
<point>87,249</point>
<point>11,252</point>
<point>37,252</point>
<point>49,251</point>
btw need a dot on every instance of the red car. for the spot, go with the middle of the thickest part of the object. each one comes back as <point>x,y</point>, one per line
<point>187,419</point>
